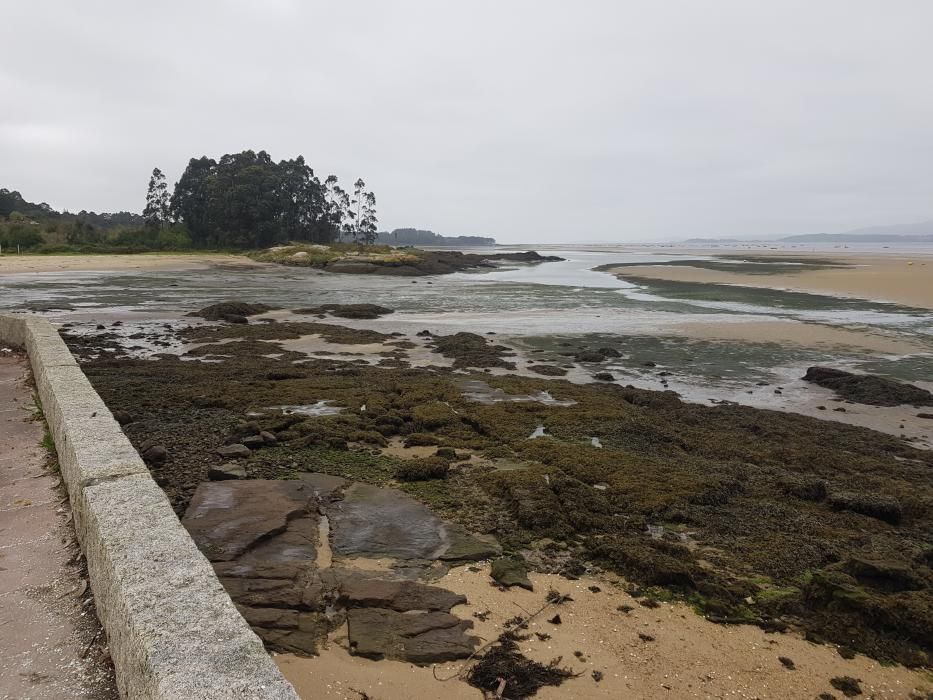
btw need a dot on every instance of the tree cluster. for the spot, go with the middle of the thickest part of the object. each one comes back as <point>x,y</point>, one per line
<point>246,200</point>
<point>242,200</point>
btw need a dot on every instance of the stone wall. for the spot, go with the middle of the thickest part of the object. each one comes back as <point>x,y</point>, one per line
<point>172,629</point>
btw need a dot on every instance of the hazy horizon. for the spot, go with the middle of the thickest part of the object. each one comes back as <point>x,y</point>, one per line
<point>529,121</point>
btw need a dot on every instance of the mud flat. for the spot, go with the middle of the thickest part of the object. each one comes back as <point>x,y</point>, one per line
<point>895,278</point>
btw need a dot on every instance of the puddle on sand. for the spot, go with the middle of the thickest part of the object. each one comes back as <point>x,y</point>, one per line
<point>479,391</point>
<point>321,408</point>
<point>325,555</point>
<point>594,441</point>
<point>538,432</point>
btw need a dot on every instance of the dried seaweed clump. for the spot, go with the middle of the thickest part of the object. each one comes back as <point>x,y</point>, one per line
<point>522,677</point>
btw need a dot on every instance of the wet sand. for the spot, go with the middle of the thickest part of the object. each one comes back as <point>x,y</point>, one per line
<point>13,264</point>
<point>808,335</point>
<point>895,278</point>
<point>689,656</point>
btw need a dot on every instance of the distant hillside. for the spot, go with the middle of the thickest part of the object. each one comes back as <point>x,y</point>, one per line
<point>418,237</point>
<point>904,234</point>
<point>14,206</point>
<point>900,233</point>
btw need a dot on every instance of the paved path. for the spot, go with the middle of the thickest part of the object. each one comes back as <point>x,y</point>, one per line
<point>49,641</point>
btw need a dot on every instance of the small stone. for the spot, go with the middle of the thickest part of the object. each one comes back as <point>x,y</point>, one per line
<point>511,571</point>
<point>787,663</point>
<point>233,451</point>
<point>847,685</point>
<point>268,437</point>
<point>230,470</point>
<point>155,455</point>
<point>253,442</point>
<point>122,417</point>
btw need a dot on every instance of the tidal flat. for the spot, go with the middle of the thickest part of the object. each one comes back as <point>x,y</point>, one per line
<point>668,466</point>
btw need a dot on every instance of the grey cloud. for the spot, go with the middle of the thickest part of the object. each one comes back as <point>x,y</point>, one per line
<point>530,121</point>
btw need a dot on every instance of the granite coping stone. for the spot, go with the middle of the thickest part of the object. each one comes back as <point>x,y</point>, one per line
<point>173,632</point>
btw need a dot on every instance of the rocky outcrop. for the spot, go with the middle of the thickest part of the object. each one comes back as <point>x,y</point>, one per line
<point>231,311</point>
<point>868,388</point>
<point>265,539</point>
<point>359,311</point>
<point>472,350</point>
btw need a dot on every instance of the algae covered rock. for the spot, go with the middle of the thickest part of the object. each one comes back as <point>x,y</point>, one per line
<point>874,505</point>
<point>511,571</point>
<point>231,311</point>
<point>357,311</point>
<point>423,469</point>
<point>868,388</point>
<point>548,370</point>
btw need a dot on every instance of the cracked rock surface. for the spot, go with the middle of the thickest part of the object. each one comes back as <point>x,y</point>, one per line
<point>286,550</point>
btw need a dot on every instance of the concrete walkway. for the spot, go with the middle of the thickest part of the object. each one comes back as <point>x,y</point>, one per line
<point>50,646</point>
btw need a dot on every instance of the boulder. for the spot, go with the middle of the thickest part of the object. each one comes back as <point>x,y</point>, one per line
<point>253,442</point>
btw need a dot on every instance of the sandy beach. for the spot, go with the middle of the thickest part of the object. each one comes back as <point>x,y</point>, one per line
<point>686,656</point>
<point>17,264</point>
<point>895,278</point>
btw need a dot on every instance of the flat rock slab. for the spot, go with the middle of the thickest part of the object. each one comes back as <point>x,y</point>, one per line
<point>227,518</point>
<point>424,638</point>
<point>359,590</point>
<point>385,523</point>
<point>266,540</point>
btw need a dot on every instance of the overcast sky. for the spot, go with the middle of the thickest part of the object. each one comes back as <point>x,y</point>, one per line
<point>530,121</point>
